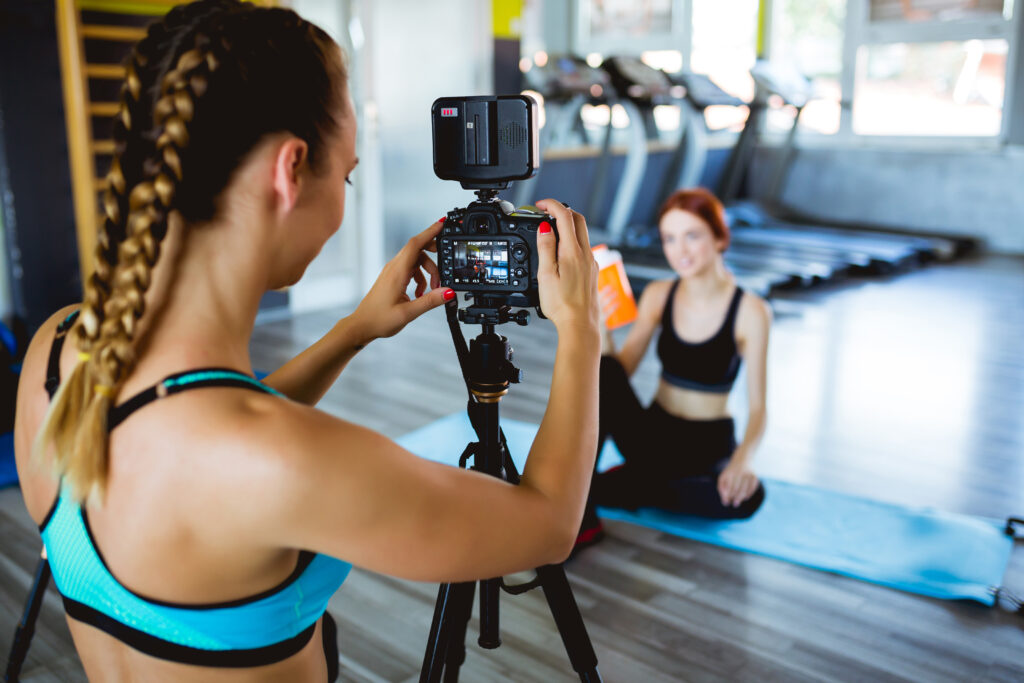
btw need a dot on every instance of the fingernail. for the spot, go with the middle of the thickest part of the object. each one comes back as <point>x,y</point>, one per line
<point>449,294</point>
<point>544,228</point>
<point>442,219</point>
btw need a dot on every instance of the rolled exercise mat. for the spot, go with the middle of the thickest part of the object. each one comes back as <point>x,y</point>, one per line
<point>919,550</point>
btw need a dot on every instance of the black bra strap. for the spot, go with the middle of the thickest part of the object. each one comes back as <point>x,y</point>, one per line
<point>184,381</point>
<point>666,315</point>
<point>53,366</point>
<point>734,307</point>
<point>174,384</point>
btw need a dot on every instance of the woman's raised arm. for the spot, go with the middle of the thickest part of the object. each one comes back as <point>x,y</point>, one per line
<point>330,486</point>
<point>384,311</point>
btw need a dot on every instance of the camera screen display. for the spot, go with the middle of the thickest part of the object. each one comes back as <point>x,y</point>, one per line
<point>481,262</point>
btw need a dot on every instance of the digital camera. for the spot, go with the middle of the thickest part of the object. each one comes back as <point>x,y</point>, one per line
<point>489,248</point>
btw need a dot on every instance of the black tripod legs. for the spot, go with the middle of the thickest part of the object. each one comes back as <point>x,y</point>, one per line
<point>569,622</point>
<point>446,645</point>
<point>27,626</point>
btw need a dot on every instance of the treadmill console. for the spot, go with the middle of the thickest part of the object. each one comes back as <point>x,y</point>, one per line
<point>703,92</point>
<point>636,80</point>
<point>565,76</point>
<point>788,83</point>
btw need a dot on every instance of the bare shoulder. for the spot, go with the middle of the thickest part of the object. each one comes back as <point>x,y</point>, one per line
<point>754,316</point>
<point>654,297</point>
<point>285,446</point>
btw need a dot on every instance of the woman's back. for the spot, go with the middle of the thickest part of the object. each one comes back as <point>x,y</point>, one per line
<point>172,551</point>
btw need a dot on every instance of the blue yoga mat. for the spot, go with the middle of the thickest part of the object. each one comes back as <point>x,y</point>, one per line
<point>925,551</point>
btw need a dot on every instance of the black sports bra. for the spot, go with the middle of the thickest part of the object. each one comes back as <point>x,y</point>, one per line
<point>711,365</point>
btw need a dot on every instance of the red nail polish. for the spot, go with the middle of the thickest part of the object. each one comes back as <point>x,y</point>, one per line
<point>449,294</point>
<point>442,219</point>
<point>544,228</point>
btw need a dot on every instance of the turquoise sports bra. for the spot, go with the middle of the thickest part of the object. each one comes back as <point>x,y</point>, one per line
<point>253,631</point>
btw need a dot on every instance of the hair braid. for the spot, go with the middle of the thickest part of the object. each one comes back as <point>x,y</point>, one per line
<point>125,171</point>
<point>150,204</point>
<point>131,148</point>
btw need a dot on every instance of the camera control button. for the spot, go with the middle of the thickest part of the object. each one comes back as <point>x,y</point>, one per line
<point>520,272</point>
<point>519,253</point>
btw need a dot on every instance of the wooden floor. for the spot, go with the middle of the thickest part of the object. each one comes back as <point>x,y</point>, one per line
<point>908,390</point>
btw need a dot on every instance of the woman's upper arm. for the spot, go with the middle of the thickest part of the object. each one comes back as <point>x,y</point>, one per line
<point>343,490</point>
<point>755,330</point>
<point>649,310</point>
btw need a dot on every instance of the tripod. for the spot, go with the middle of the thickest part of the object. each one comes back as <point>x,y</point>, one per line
<point>488,370</point>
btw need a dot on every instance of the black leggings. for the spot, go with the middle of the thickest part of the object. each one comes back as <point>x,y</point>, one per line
<point>671,463</point>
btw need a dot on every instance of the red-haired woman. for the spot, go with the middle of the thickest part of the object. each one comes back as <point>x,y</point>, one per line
<point>681,453</point>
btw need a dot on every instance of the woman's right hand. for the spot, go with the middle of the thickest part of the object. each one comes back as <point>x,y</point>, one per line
<point>567,277</point>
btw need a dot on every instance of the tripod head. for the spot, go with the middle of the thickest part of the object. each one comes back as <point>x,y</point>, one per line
<point>488,311</point>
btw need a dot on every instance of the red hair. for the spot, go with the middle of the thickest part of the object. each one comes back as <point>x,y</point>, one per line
<point>702,203</point>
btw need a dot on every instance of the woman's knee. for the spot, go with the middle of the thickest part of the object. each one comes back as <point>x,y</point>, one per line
<point>751,505</point>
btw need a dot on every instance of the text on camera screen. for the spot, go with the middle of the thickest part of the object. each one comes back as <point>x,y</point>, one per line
<point>481,262</point>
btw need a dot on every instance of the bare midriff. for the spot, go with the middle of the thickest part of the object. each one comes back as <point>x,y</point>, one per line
<point>691,405</point>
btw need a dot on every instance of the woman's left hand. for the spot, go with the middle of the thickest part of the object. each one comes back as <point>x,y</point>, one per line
<point>386,308</point>
<point>736,483</point>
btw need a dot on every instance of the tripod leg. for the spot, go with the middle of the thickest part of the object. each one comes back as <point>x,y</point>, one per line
<point>569,622</point>
<point>451,613</point>
<point>490,638</point>
<point>461,610</point>
<point>27,626</point>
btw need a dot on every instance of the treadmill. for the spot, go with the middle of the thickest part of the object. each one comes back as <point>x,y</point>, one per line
<point>766,224</point>
<point>567,83</point>
<point>647,87</point>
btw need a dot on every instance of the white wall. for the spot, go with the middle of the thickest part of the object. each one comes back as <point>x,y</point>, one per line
<point>403,54</point>
<point>422,51</point>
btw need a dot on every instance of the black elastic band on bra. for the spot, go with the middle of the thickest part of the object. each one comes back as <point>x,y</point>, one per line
<point>694,385</point>
<point>168,386</point>
<point>158,647</point>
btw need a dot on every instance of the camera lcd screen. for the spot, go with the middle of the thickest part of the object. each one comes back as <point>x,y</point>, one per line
<point>481,262</point>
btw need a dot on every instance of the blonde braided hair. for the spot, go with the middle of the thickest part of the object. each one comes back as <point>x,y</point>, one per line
<point>115,297</point>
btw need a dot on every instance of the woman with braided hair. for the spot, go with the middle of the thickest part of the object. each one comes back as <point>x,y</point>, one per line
<point>197,520</point>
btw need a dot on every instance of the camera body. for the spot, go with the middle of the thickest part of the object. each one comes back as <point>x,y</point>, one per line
<point>489,248</point>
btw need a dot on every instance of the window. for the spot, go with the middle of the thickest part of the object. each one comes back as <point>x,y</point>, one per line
<point>938,10</point>
<point>949,88</point>
<point>927,67</point>
<point>808,35</point>
<point>724,48</point>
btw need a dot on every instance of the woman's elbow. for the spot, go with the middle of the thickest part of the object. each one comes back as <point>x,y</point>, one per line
<point>559,540</point>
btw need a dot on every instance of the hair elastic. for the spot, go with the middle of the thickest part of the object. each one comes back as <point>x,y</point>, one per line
<point>104,390</point>
<point>83,356</point>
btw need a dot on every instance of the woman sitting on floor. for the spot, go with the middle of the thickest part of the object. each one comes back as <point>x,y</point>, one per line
<point>681,452</point>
